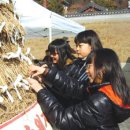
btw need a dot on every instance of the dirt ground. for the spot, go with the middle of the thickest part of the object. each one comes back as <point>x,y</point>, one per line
<point>113,34</point>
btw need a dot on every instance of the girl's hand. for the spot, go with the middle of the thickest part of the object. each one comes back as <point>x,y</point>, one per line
<point>34,84</point>
<point>36,70</point>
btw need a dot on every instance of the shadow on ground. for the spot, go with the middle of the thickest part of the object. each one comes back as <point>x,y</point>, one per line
<point>126,69</point>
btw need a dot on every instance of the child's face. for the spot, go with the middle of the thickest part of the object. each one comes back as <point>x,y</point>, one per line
<point>83,49</point>
<point>91,72</point>
<point>55,57</point>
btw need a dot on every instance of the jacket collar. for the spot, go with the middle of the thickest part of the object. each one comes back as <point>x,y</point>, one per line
<point>94,87</point>
<point>108,91</point>
<point>106,88</point>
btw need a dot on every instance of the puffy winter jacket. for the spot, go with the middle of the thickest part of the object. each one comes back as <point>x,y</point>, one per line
<point>102,110</point>
<point>74,75</point>
<point>77,70</point>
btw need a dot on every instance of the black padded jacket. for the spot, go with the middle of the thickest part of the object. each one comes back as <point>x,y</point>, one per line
<point>96,112</point>
<point>74,75</point>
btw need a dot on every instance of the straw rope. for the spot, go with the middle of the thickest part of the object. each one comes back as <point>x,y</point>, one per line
<point>11,39</point>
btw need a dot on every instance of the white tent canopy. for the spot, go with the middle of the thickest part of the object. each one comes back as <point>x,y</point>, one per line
<point>39,21</point>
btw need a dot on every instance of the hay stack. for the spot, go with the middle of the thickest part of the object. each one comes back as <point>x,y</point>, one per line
<point>15,96</point>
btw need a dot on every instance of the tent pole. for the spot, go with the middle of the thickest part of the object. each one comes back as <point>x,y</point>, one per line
<point>50,34</point>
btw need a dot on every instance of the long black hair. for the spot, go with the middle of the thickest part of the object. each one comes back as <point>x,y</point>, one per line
<point>108,61</point>
<point>63,49</point>
<point>89,37</point>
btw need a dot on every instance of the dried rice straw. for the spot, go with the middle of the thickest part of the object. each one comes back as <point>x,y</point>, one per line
<point>12,35</point>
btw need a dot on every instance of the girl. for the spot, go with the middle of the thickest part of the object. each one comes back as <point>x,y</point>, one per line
<point>107,105</point>
<point>75,76</point>
<point>60,56</point>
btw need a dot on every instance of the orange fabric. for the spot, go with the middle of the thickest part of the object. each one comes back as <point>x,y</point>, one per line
<point>114,97</point>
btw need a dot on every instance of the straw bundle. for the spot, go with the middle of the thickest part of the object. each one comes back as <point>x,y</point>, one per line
<point>15,95</point>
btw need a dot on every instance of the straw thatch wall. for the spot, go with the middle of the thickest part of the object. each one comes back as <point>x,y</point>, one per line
<point>15,95</point>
